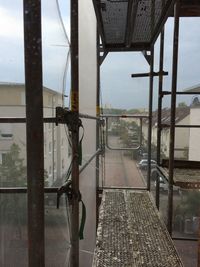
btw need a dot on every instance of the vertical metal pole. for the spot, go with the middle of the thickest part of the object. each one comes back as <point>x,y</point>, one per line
<point>75,132</point>
<point>173,114</point>
<point>34,131</point>
<point>97,125</point>
<point>53,144</point>
<point>150,119</point>
<point>159,129</point>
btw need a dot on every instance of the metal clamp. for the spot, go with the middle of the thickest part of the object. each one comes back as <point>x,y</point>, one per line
<point>66,188</point>
<point>64,115</point>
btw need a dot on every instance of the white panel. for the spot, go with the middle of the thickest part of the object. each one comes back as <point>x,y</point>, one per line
<point>87,81</point>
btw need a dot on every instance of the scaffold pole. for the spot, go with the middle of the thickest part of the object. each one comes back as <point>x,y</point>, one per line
<point>173,114</point>
<point>159,129</point>
<point>34,131</point>
<point>150,119</point>
<point>74,259</point>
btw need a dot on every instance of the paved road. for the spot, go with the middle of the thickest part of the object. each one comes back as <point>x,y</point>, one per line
<point>120,170</point>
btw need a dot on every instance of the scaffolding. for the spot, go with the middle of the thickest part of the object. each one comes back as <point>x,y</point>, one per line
<point>131,38</point>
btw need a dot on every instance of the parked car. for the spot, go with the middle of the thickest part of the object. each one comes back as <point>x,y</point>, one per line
<point>144,163</point>
<point>164,185</point>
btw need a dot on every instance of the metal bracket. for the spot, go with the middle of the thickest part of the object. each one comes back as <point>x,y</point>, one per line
<point>147,57</point>
<point>66,116</point>
<point>103,57</point>
<point>139,142</point>
<point>67,189</point>
<point>148,74</point>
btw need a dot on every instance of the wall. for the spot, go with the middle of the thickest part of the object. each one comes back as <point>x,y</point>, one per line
<point>194,146</point>
<point>87,80</point>
<point>54,136</point>
<point>182,137</point>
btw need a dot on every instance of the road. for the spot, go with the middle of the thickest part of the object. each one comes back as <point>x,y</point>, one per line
<point>120,170</point>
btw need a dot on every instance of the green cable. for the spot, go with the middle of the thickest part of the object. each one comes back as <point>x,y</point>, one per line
<point>83,219</point>
<point>80,153</point>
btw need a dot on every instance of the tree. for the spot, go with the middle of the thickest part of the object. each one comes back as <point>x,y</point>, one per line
<point>182,105</point>
<point>12,169</point>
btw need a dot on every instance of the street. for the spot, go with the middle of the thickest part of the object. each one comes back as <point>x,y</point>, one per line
<point>120,170</point>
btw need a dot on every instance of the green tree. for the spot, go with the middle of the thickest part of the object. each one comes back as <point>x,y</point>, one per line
<point>12,169</point>
<point>182,105</point>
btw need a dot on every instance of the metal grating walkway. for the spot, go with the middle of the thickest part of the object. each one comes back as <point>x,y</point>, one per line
<point>130,233</point>
<point>130,24</point>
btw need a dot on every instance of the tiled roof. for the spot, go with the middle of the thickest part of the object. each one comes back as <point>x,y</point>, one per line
<point>14,84</point>
<point>181,113</point>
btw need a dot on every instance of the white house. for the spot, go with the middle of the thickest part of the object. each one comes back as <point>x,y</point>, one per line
<point>56,150</point>
<point>181,135</point>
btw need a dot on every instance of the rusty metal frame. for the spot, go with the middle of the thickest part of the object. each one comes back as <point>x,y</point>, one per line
<point>126,45</point>
<point>98,111</point>
<point>173,114</point>
<point>159,129</point>
<point>181,93</point>
<point>151,80</point>
<point>74,257</point>
<point>130,23</point>
<point>99,21</point>
<point>141,75</point>
<point>123,148</point>
<point>181,126</point>
<point>34,129</point>
<point>162,21</point>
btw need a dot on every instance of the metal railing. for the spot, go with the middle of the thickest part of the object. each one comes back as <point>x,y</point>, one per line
<point>140,117</point>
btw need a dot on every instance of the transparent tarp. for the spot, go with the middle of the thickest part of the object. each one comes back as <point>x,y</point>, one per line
<point>14,232</point>
<point>12,155</point>
<point>57,231</point>
<point>57,154</point>
<point>54,43</point>
<point>13,161</point>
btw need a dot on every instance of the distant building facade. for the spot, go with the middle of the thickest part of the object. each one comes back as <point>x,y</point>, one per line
<point>194,144</point>
<point>182,136</point>
<point>56,148</point>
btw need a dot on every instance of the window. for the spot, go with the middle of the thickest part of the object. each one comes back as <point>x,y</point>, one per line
<point>50,147</point>
<point>50,171</point>
<point>6,131</point>
<point>62,142</point>
<point>45,148</point>
<point>2,158</point>
<point>49,100</point>
<point>23,98</point>
<point>54,144</point>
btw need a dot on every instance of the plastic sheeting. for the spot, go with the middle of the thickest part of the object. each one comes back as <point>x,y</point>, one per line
<point>54,42</point>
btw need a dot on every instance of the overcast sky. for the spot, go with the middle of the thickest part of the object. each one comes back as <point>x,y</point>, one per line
<point>118,88</point>
<point>55,46</point>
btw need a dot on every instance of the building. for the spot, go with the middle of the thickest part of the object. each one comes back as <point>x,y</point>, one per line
<point>56,149</point>
<point>182,136</point>
<point>194,147</point>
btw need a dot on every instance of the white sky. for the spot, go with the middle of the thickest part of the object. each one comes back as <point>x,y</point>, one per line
<point>118,88</point>
<point>55,46</point>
